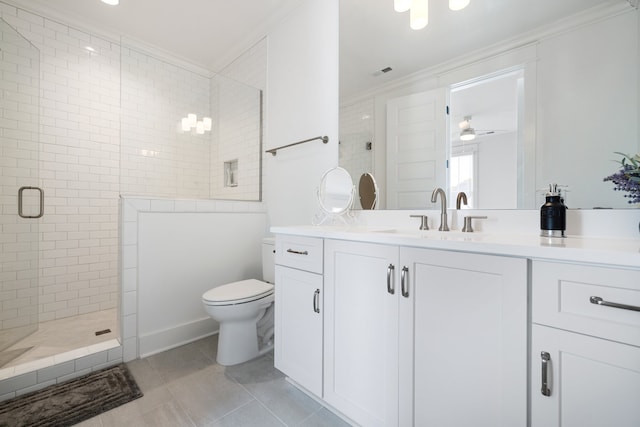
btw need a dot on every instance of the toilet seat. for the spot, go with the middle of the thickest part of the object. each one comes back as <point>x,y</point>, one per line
<point>238,292</point>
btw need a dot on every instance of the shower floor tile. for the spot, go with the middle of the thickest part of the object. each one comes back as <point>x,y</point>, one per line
<point>63,335</point>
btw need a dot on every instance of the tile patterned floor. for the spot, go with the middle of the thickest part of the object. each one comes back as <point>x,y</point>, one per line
<point>186,387</point>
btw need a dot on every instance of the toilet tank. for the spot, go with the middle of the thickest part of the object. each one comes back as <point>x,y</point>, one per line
<point>269,259</point>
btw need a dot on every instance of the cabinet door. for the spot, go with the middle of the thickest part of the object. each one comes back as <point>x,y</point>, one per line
<point>591,382</point>
<point>298,327</point>
<point>463,340</point>
<point>361,332</point>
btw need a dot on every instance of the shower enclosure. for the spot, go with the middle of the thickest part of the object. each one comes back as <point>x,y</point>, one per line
<point>20,195</point>
<point>82,124</point>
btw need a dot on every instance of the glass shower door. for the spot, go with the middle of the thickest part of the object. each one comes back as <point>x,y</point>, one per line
<point>21,201</point>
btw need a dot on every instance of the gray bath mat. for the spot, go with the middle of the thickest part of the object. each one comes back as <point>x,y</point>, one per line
<point>73,401</point>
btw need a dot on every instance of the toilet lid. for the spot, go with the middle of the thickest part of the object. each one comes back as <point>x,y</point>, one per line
<point>236,292</point>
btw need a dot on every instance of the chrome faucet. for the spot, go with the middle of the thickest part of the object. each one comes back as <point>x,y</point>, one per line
<point>443,207</point>
<point>462,197</point>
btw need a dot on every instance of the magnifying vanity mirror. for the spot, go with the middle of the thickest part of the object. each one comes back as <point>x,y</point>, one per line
<point>335,196</point>
<point>549,91</point>
<point>368,191</point>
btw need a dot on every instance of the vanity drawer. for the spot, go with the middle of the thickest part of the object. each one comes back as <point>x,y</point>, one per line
<point>303,253</point>
<point>566,295</point>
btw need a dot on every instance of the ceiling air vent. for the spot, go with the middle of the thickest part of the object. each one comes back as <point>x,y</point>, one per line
<point>383,71</point>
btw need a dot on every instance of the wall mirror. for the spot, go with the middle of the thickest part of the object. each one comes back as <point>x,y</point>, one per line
<point>550,90</point>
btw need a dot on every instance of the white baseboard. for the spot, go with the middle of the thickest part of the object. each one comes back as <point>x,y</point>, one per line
<point>159,341</point>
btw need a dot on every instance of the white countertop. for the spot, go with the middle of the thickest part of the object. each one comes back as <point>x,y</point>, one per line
<point>617,252</point>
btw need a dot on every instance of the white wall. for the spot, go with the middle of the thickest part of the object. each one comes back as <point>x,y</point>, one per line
<point>497,171</point>
<point>186,262</point>
<point>181,255</point>
<point>302,103</point>
<point>588,75</point>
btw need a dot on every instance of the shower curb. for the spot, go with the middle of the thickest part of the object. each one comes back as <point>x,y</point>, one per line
<point>32,376</point>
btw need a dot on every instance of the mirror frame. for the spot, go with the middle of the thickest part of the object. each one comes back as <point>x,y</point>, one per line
<point>340,179</point>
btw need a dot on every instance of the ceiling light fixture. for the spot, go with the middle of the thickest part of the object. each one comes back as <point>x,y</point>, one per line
<point>111,2</point>
<point>419,10</point>
<point>401,5</point>
<point>191,122</point>
<point>419,14</point>
<point>458,4</point>
<point>468,133</point>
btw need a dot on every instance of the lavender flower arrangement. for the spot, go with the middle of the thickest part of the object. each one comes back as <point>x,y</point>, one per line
<point>628,177</point>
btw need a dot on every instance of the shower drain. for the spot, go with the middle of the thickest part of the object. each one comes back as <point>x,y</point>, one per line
<point>102,332</point>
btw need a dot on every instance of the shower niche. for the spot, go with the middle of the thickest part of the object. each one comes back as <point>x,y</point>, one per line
<point>231,173</point>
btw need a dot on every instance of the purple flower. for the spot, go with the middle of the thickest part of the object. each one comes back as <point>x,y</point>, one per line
<point>628,178</point>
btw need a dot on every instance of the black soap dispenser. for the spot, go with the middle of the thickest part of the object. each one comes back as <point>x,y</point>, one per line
<point>553,214</point>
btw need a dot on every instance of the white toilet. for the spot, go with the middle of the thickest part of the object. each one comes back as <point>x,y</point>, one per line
<point>244,311</point>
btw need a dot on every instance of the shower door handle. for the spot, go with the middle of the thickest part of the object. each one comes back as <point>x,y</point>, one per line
<point>41,209</point>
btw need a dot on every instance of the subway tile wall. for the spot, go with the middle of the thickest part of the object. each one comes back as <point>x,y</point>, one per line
<point>19,153</point>
<point>157,157</point>
<point>79,165</point>
<point>237,110</point>
<point>236,95</point>
<point>109,125</point>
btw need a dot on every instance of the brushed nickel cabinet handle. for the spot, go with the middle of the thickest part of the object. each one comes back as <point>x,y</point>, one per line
<point>404,282</point>
<point>600,301</point>
<point>316,301</point>
<point>390,287</point>
<point>546,360</point>
<point>292,251</point>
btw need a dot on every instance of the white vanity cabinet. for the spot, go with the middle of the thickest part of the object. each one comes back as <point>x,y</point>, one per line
<point>361,331</point>
<point>585,353</point>
<point>299,310</point>
<point>419,337</point>
<point>463,339</point>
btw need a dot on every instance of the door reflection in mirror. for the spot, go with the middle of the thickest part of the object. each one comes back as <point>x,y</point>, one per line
<point>486,167</point>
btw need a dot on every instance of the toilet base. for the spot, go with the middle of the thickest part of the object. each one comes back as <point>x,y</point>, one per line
<point>238,341</point>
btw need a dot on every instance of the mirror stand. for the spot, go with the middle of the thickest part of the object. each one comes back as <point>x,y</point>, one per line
<point>335,198</point>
